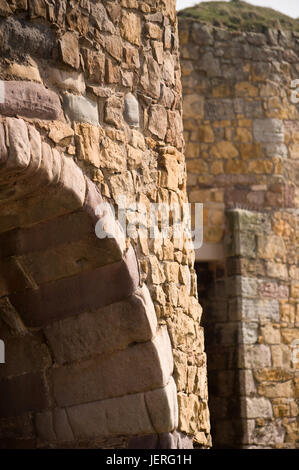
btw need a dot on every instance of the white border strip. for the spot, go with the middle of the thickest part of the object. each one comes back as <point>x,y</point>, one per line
<point>2,92</point>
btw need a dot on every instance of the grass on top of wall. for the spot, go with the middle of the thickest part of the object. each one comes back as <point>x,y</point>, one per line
<point>240,16</point>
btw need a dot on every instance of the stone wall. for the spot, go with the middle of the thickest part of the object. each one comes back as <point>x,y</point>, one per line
<point>102,336</point>
<point>242,133</point>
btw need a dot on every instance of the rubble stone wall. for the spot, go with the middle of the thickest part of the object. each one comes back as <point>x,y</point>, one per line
<point>102,336</point>
<point>242,131</point>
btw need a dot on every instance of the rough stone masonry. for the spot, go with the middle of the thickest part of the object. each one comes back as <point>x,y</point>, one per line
<point>242,147</point>
<point>103,342</point>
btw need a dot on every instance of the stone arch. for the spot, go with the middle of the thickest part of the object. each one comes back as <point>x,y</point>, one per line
<point>103,367</point>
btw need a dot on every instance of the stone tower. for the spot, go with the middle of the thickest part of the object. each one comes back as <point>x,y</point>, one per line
<point>242,148</point>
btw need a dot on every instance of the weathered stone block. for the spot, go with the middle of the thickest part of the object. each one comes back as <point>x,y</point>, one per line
<point>131,27</point>
<point>247,384</point>
<point>80,108</point>
<point>210,64</point>
<point>12,277</point>
<point>94,63</point>
<point>71,296</point>
<point>104,331</point>
<point>268,130</point>
<point>29,99</point>
<point>193,105</point>
<point>151,78</point>
<point>54,426</point>
<point>25,354</point>
<point>123,415</point>
<point>260,310</point>
<point>21,37</point>
<point>100,19</point>
<point>216,110</point>
<point>69,49</point>
<point>248,333</point>
<point>131,110</point>
<point>255,356</point>
<point>17,427</point>
<point>272,433</point>
<point>66,80</point>
<point>271,333</point>
<point>138,368</point>
<point>158,121</point>
<point>256,408</point>
<point>162,407</point>
<point>24,393</point>
<point>277,390</point>
<point>24,72</point>
<point>114,45</point>
<point>114,111</point>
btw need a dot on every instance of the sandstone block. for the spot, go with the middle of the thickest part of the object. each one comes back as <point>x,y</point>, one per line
<point>281,356</point>
<point>158,121</point>
<point>74,295</point>
<point>175,129</point>
<point>162,407</point>
<point>151,78</point>
<point>260,310</point>
<point>268,435</point>
<point>248,333</point>
<point>21,37</point>
<point>218,109</point>
<point>271,246</point>
<point>113,45</point>
<point>189,408</point>
<point>99,18</point>
<point>247,384</point>
<point>112,72</point>
<point>114,111</point>
<point>61,133</point>
<point>210,65</point>
<point>69,49</point>
<point>271,334</point>
<point>25,354</point>
<point>23,393</point>
<point>25,72</point>
<point>138,368</point>
<point>125,415</point>
<point>94,63</point>
<point>17,427</point>
<point>135,157</point>
<point>66,80</point>
<point>193,105</point>
<point>255,356</point>
<point>277,390</point>
<point>131,27</point>
<point>53,426</point>
<point>268,130</point>
<point>29,99</point>
<point>80,108</point>
<point>88,143</point>
<point>256,408</point>
<point>19,146</point>
<point>131,110</point>
<point>225,150</point>
<point>109,329</point>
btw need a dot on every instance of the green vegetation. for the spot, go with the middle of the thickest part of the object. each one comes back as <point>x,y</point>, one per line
<point>240,16</point>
